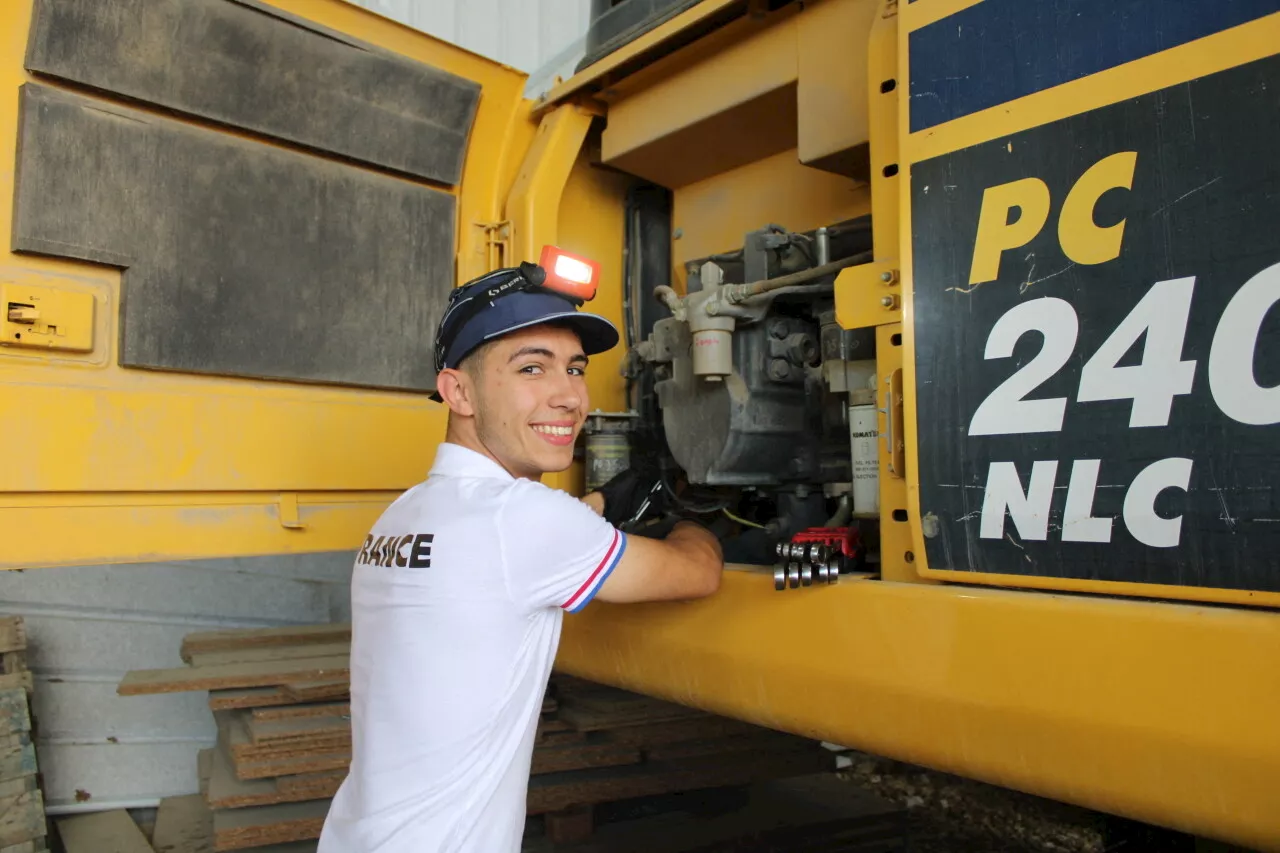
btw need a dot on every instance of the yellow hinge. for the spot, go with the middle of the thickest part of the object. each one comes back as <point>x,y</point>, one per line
<point>289,516</point>
<point>497,243</point>
<point>869,295</point>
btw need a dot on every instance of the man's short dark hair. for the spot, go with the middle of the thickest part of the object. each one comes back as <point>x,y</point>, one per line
<point>470,363</point>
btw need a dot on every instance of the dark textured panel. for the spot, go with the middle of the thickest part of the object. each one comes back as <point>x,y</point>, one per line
<point>240,66</point>
<point>1204,204</point>
<point>243,259</point>
<point>999,50</point>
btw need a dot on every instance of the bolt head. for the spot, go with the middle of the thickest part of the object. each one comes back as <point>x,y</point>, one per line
<point>886,277</point>
<point>886,301</point>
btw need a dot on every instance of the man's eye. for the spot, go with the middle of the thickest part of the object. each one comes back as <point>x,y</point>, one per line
<point>578,371</point>
<point>531,368</point>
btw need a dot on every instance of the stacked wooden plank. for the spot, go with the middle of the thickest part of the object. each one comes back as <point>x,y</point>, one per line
<point>280,701</point>
<point>22,818</point>
<point>183,825</point>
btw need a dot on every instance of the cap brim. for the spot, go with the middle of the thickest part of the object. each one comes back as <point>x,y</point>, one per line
<point>596,333</point>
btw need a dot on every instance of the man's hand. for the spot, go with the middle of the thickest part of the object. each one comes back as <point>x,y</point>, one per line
<point>622,497</point>
<point>693,534</point>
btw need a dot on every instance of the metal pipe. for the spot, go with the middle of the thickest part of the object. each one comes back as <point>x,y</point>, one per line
<point>843,512</point>
<point>794,290</point>
<point>631,283</point>
<point>667,296</point>
<point>738,292</point>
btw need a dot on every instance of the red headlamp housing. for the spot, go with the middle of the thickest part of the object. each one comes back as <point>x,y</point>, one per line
<point>572,275</point>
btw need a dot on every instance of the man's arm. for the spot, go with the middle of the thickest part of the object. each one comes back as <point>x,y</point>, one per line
<point>685,565</point>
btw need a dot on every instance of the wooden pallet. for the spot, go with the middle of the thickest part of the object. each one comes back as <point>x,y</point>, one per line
<point>22,819</point>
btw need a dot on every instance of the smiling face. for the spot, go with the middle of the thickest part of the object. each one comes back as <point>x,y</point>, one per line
<point>522,399</point>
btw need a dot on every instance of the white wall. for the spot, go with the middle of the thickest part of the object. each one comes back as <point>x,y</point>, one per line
<point>542,38</point>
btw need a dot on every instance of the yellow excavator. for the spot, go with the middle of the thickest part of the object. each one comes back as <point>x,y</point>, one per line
<point>959,310</point>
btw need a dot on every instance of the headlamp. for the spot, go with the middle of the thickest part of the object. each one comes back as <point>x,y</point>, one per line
<point>571,277</point>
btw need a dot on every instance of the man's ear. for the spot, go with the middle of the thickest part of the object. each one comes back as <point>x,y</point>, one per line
<point>458,391</point>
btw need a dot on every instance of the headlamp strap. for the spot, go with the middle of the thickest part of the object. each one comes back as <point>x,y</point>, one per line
<point>530,277</point>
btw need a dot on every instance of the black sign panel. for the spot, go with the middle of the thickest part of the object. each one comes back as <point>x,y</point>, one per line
<point>1097,354</point>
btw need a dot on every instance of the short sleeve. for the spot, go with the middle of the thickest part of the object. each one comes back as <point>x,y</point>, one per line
<point>556,551</point>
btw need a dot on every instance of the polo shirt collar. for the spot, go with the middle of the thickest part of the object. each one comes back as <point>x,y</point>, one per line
<point>454,460</point>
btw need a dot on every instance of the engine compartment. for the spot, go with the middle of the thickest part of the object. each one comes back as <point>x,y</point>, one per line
<point>751,408</point>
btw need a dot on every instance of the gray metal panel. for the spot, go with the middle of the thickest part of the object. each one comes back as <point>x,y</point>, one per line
<point>167,593</point>
<point>246,67</point>
<point>89,625</point>
<point>84,708</point>
<point>102,776</point>
<point>243,259</point>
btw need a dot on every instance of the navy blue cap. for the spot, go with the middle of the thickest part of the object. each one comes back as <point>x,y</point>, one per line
<point>520,304</point>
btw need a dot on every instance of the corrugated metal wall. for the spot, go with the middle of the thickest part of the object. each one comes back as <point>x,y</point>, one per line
<point>540,37</point>
<point>89,625</point>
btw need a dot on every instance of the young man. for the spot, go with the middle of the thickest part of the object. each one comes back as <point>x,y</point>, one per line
<point>459,592</point>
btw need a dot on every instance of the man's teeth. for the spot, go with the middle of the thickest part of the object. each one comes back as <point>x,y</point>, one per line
<point>554,430</point>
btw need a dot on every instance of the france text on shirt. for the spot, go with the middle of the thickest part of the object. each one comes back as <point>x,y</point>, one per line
<point>411,550</point>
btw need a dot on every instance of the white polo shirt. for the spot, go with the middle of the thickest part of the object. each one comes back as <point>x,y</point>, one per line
<point>457,601</point>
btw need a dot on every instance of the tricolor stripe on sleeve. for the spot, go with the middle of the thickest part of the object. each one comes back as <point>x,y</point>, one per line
<point>588,590</point>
